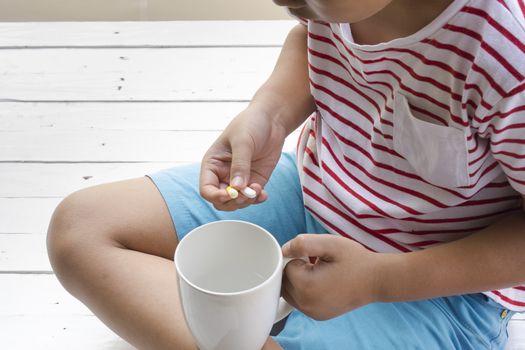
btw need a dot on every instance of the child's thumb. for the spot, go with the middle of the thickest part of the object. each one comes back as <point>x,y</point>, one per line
<point>240,167</point>
<point>311,245</point>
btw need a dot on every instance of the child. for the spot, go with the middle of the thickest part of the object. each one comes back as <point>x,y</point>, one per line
<point>413,144</point>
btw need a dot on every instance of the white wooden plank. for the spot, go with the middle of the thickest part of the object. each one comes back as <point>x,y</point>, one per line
<point>117,116</point>
<point>23,252</point>
<point>59,180</point>
<point>38,306</point>
<point>516,330</point>
<point>105,145</point>
<point>26,215</point>
<point>153,34</point>
<point>134,74</point>
<point>58,333</point>
<point>37,295</point>
<point>520,316</point>
<point>109,145</point>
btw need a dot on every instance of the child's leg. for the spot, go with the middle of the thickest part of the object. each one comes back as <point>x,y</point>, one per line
<point>111,246</point>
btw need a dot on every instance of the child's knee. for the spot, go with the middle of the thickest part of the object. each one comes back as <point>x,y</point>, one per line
<point>70,233</point>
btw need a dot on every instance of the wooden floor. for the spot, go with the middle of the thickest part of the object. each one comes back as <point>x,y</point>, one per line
<point>86,103</point>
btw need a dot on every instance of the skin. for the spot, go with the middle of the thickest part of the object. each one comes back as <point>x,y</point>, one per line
<point>118,259</point>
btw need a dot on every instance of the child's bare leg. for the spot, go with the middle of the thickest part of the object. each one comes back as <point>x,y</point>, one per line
<point>111,246</point>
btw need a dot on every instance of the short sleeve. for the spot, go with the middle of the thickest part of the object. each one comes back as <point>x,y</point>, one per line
<point>505,127</point>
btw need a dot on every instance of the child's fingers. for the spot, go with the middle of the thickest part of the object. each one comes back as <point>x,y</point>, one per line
<point>210,187</point>
<point>214,195</point>
<point>241,161</point>
<point>324,246</point>
<point>262,197</point>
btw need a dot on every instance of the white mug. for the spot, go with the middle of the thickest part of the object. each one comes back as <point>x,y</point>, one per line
<point>229,275</point>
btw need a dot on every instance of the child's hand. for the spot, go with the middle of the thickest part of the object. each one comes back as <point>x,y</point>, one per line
<point>344,277</point>
<point>245,154</point>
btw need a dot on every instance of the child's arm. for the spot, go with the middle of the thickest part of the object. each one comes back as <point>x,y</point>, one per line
<point>286,94</point>
<point>246,153</point>
<point>348,276</point>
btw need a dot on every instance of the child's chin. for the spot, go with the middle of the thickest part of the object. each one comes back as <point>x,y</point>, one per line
<point>302,12</point>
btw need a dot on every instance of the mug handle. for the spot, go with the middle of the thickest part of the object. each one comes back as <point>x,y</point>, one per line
<point>284,309</point>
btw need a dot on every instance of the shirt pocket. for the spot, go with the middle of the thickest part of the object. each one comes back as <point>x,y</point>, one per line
<point>437,153</point>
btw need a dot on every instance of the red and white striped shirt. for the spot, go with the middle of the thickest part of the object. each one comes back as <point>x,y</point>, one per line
<point>419,141</point>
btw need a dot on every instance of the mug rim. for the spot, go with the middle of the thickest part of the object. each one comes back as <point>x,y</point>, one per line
<point>244,291</point>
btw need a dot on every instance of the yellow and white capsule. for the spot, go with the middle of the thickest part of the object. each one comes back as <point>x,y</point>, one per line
<point>232,192</point>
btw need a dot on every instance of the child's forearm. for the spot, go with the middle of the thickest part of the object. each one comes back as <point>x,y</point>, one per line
<point>490,259</point>
<point>286,94</point>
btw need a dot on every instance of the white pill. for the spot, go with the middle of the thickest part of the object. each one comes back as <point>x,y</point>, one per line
<point>249,192</point>
<point>232,192</point>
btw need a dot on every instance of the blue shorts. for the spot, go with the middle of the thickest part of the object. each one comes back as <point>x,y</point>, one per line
<point>459,322</point>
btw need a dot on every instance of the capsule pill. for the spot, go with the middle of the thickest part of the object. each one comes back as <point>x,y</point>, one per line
<point>249,192</point>
<point>232,192</point>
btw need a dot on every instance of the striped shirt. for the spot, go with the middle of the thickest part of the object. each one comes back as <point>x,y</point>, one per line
<point>420,140</point>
